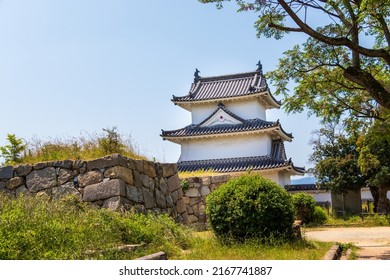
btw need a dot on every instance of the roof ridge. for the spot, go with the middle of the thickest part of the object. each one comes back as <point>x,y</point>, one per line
<point>228,76</point>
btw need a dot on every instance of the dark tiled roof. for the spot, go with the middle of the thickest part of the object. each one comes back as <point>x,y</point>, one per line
<point>227,86</point>
<point>196,130</point>
<point>240,164</point>
<point>245,125</point>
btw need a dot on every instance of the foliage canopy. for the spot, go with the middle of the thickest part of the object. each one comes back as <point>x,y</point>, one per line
<point>343,66</point>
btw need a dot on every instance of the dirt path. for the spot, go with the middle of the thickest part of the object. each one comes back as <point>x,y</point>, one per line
<point>374,242</point>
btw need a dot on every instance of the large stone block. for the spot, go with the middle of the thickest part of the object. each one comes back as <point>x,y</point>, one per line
<point>21,190</point>
<point>6,172</point>
<point>192,219</point>
<point>160,199</point>
<point>114,203</point>
<point>175,196</point>
<point>180,193</point>
<point>149,199</point>
<point>2,185</point>
<point>64,190</point>
<point>169,200</point>
<point>67,164</point>
<point>109,161</point>
<point>149,169</point>
<point>104,190</point>
<point>192,192</point>
<point>23,170</point>
<point>120,172</point>
<point>41,179</point>
<point>206,180</point>
<point>90,178</point>
<point>137,179</point>
<point>78,164</point>
<point>180,206</point>
<point>195,200</point>
<point>202,208</point>
<point>139,165</point>
<point>40,165</point>
<point>173,183</point>
<point>163,186</point>
<point>15,182</point>
<point>133,193</point>
<point>204,191</point>
<point>219,179</point>
<point>147,181</point>
<point>65,176</point>
<point>169,169</point>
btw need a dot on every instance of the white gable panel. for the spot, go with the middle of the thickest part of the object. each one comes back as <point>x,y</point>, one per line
<point>221,117</point>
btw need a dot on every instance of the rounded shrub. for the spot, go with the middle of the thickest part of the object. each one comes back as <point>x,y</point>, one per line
<point>250,207</point>
<point>319,215</point>
<point>304,205</point>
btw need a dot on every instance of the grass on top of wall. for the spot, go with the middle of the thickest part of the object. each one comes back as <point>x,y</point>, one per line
<point>85,147</point>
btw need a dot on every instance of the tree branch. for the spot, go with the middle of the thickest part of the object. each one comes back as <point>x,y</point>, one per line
<point>339,41</point>
<point>284,28</point>
<point>373,87</point>
<point>384,28</point>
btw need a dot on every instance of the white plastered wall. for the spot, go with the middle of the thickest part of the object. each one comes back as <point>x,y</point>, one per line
<point>226,147</point>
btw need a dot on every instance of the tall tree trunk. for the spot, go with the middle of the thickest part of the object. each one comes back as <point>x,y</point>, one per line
<point>375,195</point>
<point>383,202</point>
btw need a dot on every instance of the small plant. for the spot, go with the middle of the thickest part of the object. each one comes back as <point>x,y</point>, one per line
<point>250,207</point>
<point>12,153</point>
<point>184,184</point>
<point>304,205</point>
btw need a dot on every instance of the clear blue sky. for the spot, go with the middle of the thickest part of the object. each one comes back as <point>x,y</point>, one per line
<point>74,66</point>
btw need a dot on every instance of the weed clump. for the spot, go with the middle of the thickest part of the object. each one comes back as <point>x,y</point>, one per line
<point>35,228</point>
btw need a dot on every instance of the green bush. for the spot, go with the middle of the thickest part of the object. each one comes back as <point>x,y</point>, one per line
<point>250,207</point>
<point>319,215</point>
<point>304,205</point>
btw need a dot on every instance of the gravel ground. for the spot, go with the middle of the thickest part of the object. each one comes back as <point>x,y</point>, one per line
<point>373,242</point>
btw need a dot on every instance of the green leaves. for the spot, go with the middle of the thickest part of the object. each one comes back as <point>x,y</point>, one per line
<point>12,152</point>
<point>336,158</point>
<point>250,207</point>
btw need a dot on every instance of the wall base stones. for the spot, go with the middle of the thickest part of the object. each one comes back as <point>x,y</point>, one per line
<point>195,197</point>
<point>114,182</point>
<point>118,183</point>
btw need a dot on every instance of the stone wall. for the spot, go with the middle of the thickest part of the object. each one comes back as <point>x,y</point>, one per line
<point>196,190</point>
<point>113,182</point>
